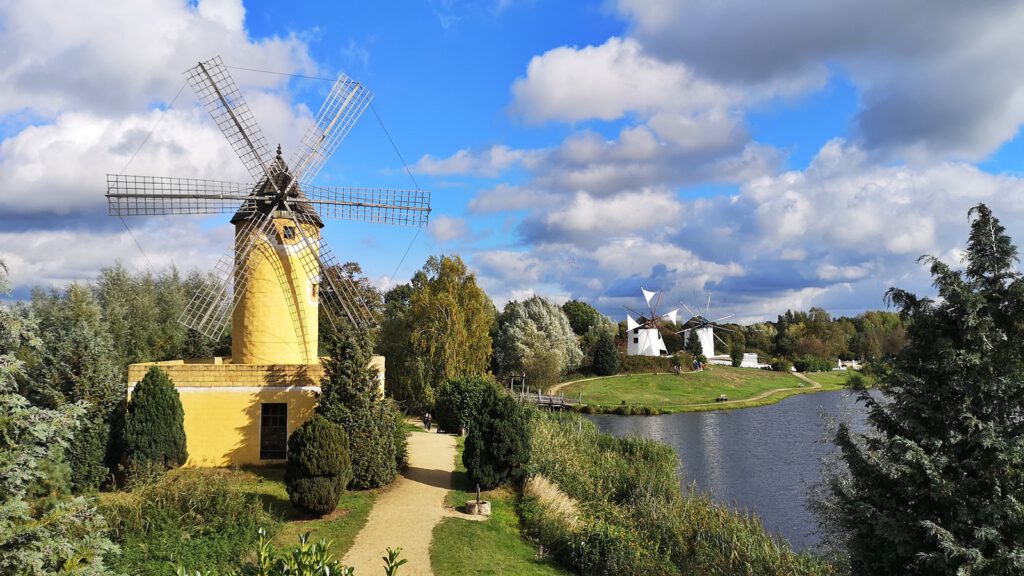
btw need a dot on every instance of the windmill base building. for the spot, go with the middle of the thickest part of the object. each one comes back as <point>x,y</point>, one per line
<point>241,410</point>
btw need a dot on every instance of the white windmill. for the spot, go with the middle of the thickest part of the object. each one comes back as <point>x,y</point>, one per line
<point>705,328</point>
<point>643,337</point>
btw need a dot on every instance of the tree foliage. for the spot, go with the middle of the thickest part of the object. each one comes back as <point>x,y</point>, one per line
<point>606,355</point>
<point>459,401</point>
<point>43,530</point>
<point>936,486</point>
<point>693,345</point>
<point>350,397</point>
<point>319,467</point>
<point>534,336</point>
<point>498,445</point>
<point>141,312</point>
<point>435,328</point>
<point>582,316</point>
<point>76,363</point>
<point>154,428</point>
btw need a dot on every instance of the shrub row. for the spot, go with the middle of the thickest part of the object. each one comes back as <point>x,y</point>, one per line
<point>635,364</point>
<point>809,363</point>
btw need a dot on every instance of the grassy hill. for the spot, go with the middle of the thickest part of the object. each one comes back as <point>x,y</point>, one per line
<point>691,391</point>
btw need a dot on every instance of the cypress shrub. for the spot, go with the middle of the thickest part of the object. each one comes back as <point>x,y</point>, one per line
<point>318,466</point>
<point>87,455</point>
<point>498,445</point>
<point>350,397</point>
<point>458,400</point>
<point>154,427</point>
<point>606,356</point>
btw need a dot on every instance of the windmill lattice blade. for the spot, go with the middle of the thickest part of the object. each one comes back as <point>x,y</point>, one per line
<point>340,111</point>
<point>377,205</point>
<point>219,94</point>
<point>724,318</point>
<point>129,195</point>
<point>210,309</point>
<point>337,295</point>
<point>688,310</point>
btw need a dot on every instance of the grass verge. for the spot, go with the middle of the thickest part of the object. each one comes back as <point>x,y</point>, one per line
<point>647,394</point>
<point>492,546</point>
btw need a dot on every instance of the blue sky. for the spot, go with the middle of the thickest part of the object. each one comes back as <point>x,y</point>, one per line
<point>782,155</point>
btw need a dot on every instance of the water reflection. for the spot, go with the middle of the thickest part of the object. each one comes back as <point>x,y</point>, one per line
<point>760,459</point>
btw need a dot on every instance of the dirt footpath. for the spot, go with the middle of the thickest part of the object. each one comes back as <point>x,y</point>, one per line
<point>406,514</point>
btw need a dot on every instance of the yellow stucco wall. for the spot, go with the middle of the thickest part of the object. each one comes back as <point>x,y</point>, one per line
<point>275,320</point>
<point>222,402</point>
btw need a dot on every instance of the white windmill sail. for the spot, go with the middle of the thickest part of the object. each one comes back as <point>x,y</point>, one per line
<point>630,323</point>
<point>672,315</point>
<point>648,295</point>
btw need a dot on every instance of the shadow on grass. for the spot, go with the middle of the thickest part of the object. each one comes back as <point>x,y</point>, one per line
<point>269,480</point>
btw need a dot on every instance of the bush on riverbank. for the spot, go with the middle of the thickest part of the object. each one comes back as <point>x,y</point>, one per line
<point>633,518</point>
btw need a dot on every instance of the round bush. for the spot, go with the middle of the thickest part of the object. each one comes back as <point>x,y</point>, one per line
<point>318,466</point>
<point>458,401</point>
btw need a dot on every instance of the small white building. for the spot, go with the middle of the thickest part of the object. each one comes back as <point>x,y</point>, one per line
<point>642,341</point>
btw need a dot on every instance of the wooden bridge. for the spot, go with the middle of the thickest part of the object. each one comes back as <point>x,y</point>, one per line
<point>542,400</point>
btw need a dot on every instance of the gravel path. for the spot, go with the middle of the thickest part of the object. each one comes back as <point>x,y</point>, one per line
<point>406,514</point>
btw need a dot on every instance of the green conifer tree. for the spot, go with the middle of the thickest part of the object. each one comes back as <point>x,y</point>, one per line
<point>606,356</point>
<point>936,486</point>
<point>319,467</point>
<point>498,445</point>
<point>350,397</point>
<point>154,427</point>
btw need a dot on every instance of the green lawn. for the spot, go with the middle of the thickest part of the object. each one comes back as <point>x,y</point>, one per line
<point>339,528</point>
<point>492,546</point>
<point>681,392</point>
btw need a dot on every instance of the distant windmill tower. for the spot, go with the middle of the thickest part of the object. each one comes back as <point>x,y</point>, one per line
<point>643,337</point>
<point>705,328</point>
<point>274,279</point>
<point>280,269</point>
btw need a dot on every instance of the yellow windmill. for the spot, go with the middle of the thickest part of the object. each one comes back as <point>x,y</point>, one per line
<point>274,279</point>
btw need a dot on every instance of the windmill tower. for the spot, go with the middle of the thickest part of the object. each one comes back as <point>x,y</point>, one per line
<point>273,281</point>
<point>705,328</point>
<point>643,336</point>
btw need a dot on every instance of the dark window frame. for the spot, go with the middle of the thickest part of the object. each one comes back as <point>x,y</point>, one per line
<point>273,430</point>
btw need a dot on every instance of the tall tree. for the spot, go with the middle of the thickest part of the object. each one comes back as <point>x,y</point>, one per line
<point>936,486</point>
<point>534,336</point>
<point>39,533</point>
<point>350,397</point>
<point>76,364</point>
<point>582,316</point>
<point>435,329</point>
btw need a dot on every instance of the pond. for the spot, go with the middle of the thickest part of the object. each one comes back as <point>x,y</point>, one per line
<point>759,459</point>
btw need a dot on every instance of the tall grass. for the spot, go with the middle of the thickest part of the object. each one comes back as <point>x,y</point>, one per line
<point>633,517</point>
<point>188,517</point>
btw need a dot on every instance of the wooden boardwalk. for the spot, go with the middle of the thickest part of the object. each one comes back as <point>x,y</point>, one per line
<point>549,402</point>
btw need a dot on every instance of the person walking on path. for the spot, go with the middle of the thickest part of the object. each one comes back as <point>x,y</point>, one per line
<point>427,420</point>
